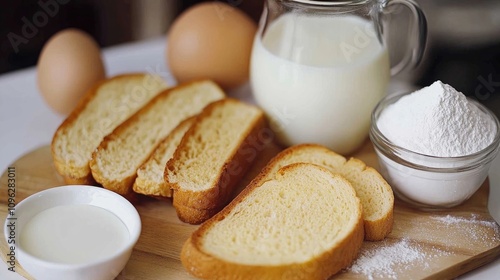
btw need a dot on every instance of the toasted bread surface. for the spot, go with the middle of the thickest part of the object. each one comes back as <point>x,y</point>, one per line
<point>99,112</point>
<point>304,223</point>
<point>150,179</point>
<point>374,192</point>
<point>115,162</point>
<point>211,158</point>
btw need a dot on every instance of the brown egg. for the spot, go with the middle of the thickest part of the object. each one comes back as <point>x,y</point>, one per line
<point>211,40</point>
<point>69,64</point>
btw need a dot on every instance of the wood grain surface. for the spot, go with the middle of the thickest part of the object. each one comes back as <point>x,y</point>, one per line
<point>444,244</point>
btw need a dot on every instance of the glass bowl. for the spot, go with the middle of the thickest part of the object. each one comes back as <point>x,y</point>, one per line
<point>430,182</point>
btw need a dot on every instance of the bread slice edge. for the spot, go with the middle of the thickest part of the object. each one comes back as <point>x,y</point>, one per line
<point>375,229</point>
<point>195,207</point>
<point>204,265</point>
<point>80,174</point>
<point>124,184</point>
<point>147,186</point>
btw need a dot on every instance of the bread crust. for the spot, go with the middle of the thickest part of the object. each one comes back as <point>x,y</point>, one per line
<point>195,207</point>
<point>205,266</point>
<point>79,174</point>
<point>377,230</point>
<point>192,215</point>
<point>89,180</point>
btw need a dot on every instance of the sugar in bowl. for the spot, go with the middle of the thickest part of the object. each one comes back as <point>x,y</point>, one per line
<point>434,146</point>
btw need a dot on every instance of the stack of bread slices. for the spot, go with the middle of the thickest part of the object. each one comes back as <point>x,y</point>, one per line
<point>127,128</point>
<point>304,216</point>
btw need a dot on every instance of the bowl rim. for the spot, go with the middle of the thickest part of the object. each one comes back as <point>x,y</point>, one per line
<point>133,234</point>
<point>392,151</point>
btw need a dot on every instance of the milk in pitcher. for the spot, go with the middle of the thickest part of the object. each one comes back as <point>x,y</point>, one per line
<point>318,78</point>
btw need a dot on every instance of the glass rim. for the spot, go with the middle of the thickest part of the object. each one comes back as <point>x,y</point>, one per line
<point>331,3</point>
<point>393,151</point>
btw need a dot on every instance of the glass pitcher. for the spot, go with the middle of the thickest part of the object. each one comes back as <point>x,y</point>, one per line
<point>318,68</point>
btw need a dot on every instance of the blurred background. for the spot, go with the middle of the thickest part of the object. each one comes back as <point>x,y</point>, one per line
<point>463,43</point>
<point>26,25</point>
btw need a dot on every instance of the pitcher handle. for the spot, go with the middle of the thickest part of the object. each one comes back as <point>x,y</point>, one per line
<point>418,25</point>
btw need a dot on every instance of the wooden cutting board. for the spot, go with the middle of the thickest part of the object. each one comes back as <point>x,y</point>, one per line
<point>433,245</point>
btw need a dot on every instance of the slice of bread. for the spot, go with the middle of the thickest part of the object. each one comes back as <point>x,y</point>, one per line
<point>100,111</point>
<point>304,223</point>
<point>150,179</point>
<point>212,157</point>
<point>115,162</point>
<point>374,192</point>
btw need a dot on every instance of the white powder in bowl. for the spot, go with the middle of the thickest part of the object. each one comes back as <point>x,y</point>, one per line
<point>438,121</point>
<point>442,124</point>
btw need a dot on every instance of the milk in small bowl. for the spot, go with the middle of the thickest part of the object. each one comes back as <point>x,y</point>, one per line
<point>73,232</point>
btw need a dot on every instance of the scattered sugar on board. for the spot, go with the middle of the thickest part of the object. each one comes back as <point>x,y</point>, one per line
<point>384,261</point>
<point>472,226</point>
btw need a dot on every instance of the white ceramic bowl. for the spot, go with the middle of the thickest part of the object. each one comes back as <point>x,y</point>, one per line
<point>105,267</point>
<point>430,182</point>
